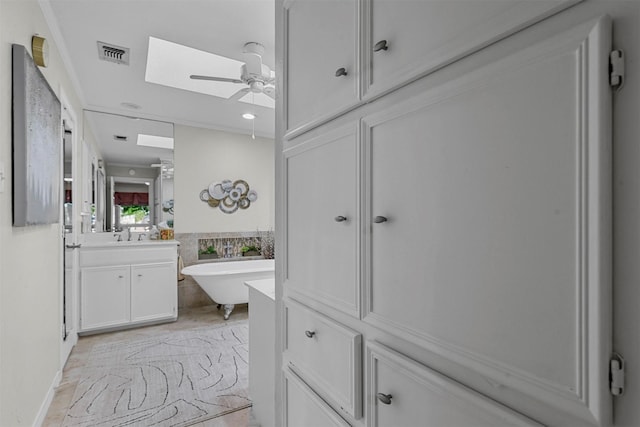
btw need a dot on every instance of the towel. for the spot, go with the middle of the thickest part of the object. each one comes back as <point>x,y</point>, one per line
<point>180,267</point>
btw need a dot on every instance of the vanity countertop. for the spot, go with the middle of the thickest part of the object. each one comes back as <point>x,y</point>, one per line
<point>129,244</point>
<point>264,286</point>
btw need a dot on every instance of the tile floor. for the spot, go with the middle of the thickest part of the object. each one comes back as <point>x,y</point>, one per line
<point>187,319</point>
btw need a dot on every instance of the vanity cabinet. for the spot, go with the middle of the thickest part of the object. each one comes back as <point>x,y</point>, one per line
<point>153,291</point>
<point>104,297</point>
<point>127,284</point>
<point>473,246</point>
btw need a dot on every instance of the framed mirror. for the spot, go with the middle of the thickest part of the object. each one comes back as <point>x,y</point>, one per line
<point>133,182</point>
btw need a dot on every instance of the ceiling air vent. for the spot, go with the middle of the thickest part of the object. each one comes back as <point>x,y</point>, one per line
<point>112,53</point>
<point>120,138</point>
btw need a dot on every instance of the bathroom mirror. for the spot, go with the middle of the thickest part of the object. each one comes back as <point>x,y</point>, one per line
<point>133,180</point>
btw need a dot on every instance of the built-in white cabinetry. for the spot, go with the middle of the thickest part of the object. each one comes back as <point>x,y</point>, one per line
<point>449,230</point>
<point>326,354</point>
<point>325,63</point>
<point>303,407</point>
<point>127,284</point>
<point>402,42</point>
<point>403,393</point>
<point>322,182</point>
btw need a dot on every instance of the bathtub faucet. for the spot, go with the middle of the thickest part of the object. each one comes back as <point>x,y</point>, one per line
<point>227,249</point>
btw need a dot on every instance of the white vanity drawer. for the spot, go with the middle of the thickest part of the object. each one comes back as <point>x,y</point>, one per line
<point>305,408</point>
<point>404,393</point>
<point>325,354</point>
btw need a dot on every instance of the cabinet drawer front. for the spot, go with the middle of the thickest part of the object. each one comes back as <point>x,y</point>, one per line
<point>403,393</point>
<point>322,212</point>
<point>305,408</point>
<point>99,256</point>
<point>326,354</point>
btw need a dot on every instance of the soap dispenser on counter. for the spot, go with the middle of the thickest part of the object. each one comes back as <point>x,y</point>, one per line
<point>154,234</point>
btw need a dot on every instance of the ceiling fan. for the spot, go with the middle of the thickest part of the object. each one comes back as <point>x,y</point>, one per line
<point>258,77</point>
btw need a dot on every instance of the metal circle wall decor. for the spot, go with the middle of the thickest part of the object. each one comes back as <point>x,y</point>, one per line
<point>229,195</point>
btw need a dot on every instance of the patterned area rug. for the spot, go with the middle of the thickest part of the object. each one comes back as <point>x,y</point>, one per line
<point>176,379</point>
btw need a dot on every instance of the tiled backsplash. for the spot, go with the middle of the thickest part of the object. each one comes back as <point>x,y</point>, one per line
<point>228,245</point>
<point>190,295</point>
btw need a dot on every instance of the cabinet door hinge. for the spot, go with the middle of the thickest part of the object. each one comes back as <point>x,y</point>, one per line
<point>616,374</point>
<point>616,69</point>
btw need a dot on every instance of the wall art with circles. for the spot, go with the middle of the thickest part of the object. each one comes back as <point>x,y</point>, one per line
<point>229,196</point>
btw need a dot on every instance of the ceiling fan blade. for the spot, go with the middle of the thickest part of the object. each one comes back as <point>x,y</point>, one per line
<point>215,79</point>
<point>239,94</point>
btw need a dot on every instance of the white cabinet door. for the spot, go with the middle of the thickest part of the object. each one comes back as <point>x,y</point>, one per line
<point>323,220</point>
<point>411,38</point>
<point>403,393</point>
<point>104,297</point>
<point>304,408</point>
<point>321,40</point>
<point>490,223</point>
<point>153,291</point>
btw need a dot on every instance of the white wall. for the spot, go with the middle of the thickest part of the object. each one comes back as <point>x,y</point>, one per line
<point>30,312</point>
<point>203,156</point>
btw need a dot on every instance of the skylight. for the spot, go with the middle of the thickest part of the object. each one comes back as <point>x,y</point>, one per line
<point>155,141</point>
<point>171,64</point>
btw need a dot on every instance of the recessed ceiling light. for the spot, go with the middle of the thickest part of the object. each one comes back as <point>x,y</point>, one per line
<point>155,141</point>
<point>248,116</point>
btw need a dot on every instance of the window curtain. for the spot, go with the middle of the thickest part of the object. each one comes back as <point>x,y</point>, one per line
<point>131,199</point>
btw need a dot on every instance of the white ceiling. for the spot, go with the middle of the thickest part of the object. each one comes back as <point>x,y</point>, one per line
<point>217,26</point>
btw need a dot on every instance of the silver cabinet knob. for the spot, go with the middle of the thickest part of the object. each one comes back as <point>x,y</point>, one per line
<point>340,218</point>
<point>309,334</point>
<point>380,219</point>
<point>381,45</point>
<point>341,72</point>
<point>384,398</point>
<point>120,277</point>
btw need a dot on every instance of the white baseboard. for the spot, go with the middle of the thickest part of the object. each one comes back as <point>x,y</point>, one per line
<point>44,408</point>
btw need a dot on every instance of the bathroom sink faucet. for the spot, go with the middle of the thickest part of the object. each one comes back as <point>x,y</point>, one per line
<point>128,234</point>
<point>140,236</point>
<point>119,237</point>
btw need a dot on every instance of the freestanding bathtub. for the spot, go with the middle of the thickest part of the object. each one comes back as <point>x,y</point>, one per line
<point>224,281</point>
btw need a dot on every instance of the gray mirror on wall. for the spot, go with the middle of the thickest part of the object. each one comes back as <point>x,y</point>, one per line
<point>133,182</point>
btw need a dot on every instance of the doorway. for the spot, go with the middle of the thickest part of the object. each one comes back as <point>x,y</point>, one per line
<point>70,233</point>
